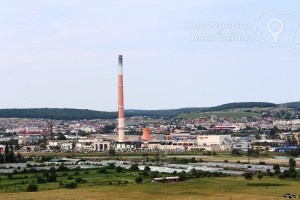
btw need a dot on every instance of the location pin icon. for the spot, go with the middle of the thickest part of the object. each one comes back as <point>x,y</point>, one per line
<point>275,34</point>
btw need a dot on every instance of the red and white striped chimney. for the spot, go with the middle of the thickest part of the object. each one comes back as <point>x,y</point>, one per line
<point>120,100</point>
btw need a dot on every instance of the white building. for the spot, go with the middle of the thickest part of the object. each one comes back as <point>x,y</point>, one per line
<point>207,140</point>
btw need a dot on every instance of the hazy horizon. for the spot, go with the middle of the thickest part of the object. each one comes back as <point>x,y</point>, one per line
<point>141,108</point>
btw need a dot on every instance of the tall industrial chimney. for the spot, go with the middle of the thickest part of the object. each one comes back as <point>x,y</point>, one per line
<point>120,100</point>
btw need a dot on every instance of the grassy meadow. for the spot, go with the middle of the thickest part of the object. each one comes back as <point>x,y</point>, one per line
<point>113,184</point>
<point>230,188</point>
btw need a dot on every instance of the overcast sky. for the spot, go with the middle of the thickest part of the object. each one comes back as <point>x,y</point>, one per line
<point>63,53</point>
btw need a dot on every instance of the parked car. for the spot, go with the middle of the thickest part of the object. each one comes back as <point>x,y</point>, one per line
<point>288,195</point>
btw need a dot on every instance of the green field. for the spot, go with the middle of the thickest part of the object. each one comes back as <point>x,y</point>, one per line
<point>121,185</point>
<point>230,188</point>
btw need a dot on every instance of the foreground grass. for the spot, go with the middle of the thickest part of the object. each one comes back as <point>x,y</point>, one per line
<point>206,188</point>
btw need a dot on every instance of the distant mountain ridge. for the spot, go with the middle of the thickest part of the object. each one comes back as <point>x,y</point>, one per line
<point>295,105</point>
<point>56,113</point>
<point>78,114</point>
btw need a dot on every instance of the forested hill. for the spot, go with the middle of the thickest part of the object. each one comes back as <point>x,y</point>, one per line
<point>77,114</point>
<point>295,105</point>
<point>176,112</point>
<point>56,113</point>
<point>240,105</point>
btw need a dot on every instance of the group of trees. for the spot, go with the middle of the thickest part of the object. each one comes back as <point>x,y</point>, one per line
<point>76,114</point>
<point>8,156</point>
<point>56,113</point>
<point>292,172</point>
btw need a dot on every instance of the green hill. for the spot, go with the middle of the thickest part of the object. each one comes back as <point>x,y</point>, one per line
<point>77,114</point>
<point>56,113</point>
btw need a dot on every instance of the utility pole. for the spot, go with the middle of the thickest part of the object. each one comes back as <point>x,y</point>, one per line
<point>248,152</point>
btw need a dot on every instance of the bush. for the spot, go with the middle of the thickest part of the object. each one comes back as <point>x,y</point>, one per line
<point>235,152</point>
<point>70,178</point>
<point>119,169</point>
<point>276,169</point>
<point>62,167</point>
<point>40,180</point>
<point>102,170</point>
<point>32,187</point>
<point>9,176</point>
<point>111,166</point>
<point>134,167</point>
<point>147,168</point>
<point>111,152</point>
<point>65,174</point>
<point>71,185</point>
<point>51,178</point>
<point>52,170</point>
<point>281,175</point>
<point>259,176</point>
<point>248,175</point>
<point>77,173</point>
<point>182,175</point>
<point>32,170</point>
<point>139,179</point>
<point>80,180</point>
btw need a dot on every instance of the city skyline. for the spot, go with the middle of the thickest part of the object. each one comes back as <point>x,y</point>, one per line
<point>59,54</point>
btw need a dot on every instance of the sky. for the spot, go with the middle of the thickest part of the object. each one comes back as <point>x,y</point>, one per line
<point>192,53</point>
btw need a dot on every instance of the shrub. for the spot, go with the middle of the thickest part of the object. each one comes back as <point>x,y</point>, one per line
<point>52,170</point>
<point>70,178</point>
<point>154,174</point>
<point>51,178</point>
<point>45,174</point>
<point>139,179</point>
<point>62,167</point>
<point>134,167</point>
<point>111,152</point>
<point>40,180</point>
<point>276,169</point>
<point>32,187</point>
<point>77,173</point>
<point>65,174</point>
<point>102,170</point>
<point>80,180</point>
<point>248,175</point>
<point>111,166</point>
<point>71,185</point>
<point>32,170</point>
<point>182,175</point>
<point>28,165</point>
<point>119,169</point>
<point>281,175</point>
<point>9,176</point>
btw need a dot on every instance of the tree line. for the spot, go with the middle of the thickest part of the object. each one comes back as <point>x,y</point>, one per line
<point>78,114</point>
